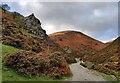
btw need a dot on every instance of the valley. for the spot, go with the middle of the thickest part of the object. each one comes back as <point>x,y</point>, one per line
<point>81,73</point>
<point>30,54</point>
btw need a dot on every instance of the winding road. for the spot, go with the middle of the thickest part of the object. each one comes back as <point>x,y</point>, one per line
<point>81,73</point>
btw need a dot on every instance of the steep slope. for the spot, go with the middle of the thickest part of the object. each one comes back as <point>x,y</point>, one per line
<point>77,41</point>
<point>109,42</point>
<point>33,25</point>
<point>107,60</point>
<point>40,56</point>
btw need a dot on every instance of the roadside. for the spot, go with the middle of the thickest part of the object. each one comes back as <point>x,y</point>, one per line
<point>81,73</point>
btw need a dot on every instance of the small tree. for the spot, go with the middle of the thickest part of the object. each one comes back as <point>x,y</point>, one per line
<point>5,7</point>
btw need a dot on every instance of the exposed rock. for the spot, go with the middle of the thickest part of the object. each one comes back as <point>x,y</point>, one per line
<point>67,49</point>
<point>32,24</point>
<point>87,64</point>
<point>44,56</point>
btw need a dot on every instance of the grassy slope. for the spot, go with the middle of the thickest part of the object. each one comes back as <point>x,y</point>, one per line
<point>8,73</point>
<point>0,62</point>
<point>25,32</point>
<point>12,75</point>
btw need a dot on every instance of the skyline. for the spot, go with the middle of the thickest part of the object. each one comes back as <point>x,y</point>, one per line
<point>98,20</point>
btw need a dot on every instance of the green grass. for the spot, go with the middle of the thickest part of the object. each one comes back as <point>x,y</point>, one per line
<point>0,62</point>
<point>110,78</point>
<point>25,32</point>
<point>117,74</point>
<point>107,77</point>
<point>12,75</point>
<point>9,74</point>
<point>8,49</point>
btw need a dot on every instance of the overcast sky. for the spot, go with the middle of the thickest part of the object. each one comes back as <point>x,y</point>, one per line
<point>96,19</point>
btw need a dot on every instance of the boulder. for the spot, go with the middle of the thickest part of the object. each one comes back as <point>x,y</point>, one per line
<point>87,64</point>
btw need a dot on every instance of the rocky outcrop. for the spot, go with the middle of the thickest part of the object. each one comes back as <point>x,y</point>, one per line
<point>41,55</point>
<point>33,25</point>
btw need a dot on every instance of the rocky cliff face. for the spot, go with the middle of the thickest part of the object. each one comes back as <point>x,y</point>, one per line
<point>32,24</point>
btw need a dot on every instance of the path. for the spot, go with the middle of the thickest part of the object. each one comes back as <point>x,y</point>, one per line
<point>83,74</point>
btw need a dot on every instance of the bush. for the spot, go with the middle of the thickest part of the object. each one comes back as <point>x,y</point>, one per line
<point>30,63</point>
<point>103,69</point>
<point>70,59</point>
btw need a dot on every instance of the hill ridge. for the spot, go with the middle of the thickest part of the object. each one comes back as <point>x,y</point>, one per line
<point>73,31</point>
<point>77,41</point>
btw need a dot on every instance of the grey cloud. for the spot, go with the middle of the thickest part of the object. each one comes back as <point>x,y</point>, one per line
<point>77,15</point>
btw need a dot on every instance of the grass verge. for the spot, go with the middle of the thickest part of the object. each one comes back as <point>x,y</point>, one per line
<point>9,74</point>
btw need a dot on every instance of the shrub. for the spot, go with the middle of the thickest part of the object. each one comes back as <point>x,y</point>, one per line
<point>30,63</point>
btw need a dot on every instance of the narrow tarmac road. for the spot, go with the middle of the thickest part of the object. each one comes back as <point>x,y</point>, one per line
<point>83,74</point>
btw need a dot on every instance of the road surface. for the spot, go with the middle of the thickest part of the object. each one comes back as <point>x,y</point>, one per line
<point>81,73</point>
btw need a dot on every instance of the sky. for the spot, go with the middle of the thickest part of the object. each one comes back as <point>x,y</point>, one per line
<point>95,19</point>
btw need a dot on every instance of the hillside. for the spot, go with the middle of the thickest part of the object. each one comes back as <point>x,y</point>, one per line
<point>29,54</point>
<point>96,55</point>
<point>107,60</point>
<point>37,55</point>
<point>77,41</point>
